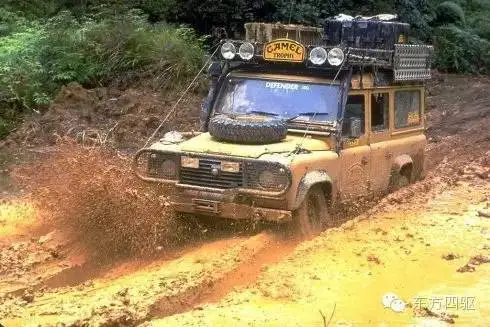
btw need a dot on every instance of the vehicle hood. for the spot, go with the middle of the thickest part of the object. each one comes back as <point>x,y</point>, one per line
<point>205,143</point>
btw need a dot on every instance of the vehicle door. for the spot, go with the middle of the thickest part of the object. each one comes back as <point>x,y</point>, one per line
<point>355,152</point>
<point>379,131</point>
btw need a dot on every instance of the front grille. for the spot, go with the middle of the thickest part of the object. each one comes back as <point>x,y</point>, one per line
<point>203,176</point>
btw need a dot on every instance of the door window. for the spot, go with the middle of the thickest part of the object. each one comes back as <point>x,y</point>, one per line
<point>407,108</point>
<point>380,104</point>
<point>354,116</point>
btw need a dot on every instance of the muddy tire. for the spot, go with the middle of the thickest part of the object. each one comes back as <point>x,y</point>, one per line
<point>248,129</point>
<point>313,215</point>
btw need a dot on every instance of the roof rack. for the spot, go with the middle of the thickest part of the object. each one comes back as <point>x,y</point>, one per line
<point>347,43</point>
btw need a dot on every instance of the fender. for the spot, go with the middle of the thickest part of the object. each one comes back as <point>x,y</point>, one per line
<point>311,178</point>
<point>401,161</point>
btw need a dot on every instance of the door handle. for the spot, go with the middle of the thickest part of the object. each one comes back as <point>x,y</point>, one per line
<point>364,161</point>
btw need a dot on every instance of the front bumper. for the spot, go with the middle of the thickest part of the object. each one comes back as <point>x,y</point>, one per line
<point>220,205</point>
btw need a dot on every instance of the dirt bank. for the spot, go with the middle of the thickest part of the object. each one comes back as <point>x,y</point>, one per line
<point>121,119</point>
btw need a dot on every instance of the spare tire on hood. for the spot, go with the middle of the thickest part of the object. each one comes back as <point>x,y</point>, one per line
<point>251,129</point>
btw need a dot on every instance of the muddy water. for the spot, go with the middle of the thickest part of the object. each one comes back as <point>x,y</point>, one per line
<point>268,279</point>
<point>350,269</point>
<point>246,273</point>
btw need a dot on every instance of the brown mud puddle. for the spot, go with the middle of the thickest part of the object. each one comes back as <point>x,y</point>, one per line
<point>160,288</point>
<point>243,275</point>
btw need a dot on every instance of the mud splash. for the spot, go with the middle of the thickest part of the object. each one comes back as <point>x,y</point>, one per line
<point>92,196</point>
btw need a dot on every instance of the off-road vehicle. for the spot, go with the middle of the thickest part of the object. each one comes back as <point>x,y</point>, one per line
<point>298,118</point>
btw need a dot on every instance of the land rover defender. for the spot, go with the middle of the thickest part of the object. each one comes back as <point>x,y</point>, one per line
<point>298,118</point>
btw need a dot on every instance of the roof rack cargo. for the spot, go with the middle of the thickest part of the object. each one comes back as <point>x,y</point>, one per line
<point>377,32</point>
<point>344,42</point>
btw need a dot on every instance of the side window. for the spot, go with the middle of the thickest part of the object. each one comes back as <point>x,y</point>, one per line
<point>380,104</point>
<point>407,108</point>
<point>354,116</point>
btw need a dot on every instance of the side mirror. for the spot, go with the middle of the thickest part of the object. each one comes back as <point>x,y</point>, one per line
<point>214,69</point>
<point>206,106</point>
<point>355,130</point>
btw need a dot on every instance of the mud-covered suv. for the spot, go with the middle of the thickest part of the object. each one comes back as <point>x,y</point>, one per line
<point>289,128</point>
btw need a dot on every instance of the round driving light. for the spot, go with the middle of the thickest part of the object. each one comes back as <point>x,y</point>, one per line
<point>169,168</point>
<point>246,51</point>
<point>318,56</point>
<point>336,57</point>
<point>228,51</point>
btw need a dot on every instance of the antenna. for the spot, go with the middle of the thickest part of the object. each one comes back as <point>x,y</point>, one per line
<point>172,110</point>
<point>293,2</point>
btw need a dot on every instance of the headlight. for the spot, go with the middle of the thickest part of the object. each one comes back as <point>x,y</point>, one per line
<point>160,166</point>
<point>228,50</point>
<point>273,179</point>
<point>336,57</point>
<point>318,56</point>
<point>169,168</point>
<point>267,176</point>
<point>246,51</point>
<point>189,162</point>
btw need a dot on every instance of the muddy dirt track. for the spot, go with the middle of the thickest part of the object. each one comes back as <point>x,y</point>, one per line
<point>429,244</point>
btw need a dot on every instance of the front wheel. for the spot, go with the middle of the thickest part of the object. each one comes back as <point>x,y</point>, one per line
<point>313,214</point>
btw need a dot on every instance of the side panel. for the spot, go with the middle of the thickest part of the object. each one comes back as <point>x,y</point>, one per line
<point>355,164</point>
<point>379,140</point>
<point>385,153</point>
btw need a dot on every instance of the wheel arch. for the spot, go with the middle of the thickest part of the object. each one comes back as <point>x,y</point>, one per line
<point>309,180</point>
<point>403,165</point>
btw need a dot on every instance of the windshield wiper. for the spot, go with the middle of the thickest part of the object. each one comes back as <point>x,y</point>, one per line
<point>309,114</point>
<point>265,113</point>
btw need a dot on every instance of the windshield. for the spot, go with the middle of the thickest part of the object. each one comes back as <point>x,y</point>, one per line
<point>290,100</point>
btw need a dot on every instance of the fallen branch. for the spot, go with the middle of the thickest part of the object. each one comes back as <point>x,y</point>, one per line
<point>325,322</point>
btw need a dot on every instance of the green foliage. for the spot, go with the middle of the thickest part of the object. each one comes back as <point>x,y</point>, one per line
<point>37,58</point>
<point>449,12</point>
<point>32,9</point>
<point>6,125</point>
<point>459,50</point>
<point>478,17</point>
